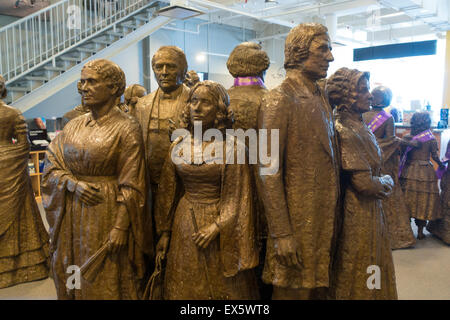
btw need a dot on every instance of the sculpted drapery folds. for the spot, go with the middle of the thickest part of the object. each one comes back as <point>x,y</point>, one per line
<point>363,241</point>
<point>94,192</point>
<point>394,207</point>
<point>159,113</point>
<point>248,64</point>
<point>205,211</point>
<point>301,199</point>
<point>23,239</point>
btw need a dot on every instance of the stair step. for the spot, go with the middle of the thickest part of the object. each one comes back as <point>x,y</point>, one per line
<point>100,41</point>
<point>65,58</point>
<point>141,18</point>
<point>52,68</point>
<point>115,34</point>
<point>21,89</point>
<point>88,50</point>
<point>36,78</point>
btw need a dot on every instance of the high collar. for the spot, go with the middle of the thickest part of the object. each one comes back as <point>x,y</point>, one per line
<point>300,78</point>
<point>172,95</point>
<point>90,121</point>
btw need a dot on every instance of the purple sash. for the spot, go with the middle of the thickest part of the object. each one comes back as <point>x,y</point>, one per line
<point>441,171</point>
<point>378,120</point>
<point>248,81</point>
<point>422,137</point>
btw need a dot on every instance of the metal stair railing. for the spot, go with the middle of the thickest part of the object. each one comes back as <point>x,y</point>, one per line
<point>37,39</point>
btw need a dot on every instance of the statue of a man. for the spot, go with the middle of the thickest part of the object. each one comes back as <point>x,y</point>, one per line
<point>301,198</point>
<point>160,111</point>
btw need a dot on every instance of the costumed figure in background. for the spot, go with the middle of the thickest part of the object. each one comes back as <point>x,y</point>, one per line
<point>248,64</point>
<point>382,125</point>
<point>24,254</point>
<point>94,193</point>
<point>417,176</point>
<point>75,112</point>
<point>131,96</point>
<point>191,79</point>
<point>204,213</point>
<point>441,228</point>
<point>363,240</point>
<point>300,190</point>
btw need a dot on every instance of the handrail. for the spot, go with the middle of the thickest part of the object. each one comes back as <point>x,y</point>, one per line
<point>36,39</point>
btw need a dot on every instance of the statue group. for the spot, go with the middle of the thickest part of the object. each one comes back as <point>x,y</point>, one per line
<point>130,188</point>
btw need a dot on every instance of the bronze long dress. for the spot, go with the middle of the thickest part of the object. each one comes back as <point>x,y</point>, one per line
<point>419,182</point>
<point>214,193</point>
<point>364,238</point>
<point>441,228</point>
<point>394,207</point>
<point>108,153</point>
<point>23,239</point>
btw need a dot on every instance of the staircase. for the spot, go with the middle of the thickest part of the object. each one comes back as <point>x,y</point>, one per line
<point>45,52</point>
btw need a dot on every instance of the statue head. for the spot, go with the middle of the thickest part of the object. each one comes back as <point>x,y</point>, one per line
<point>191,78</point>
<point>170,66</point>
<point>420,122</point>
<point>382,97</point>
<point>348,90</point>
<point>100,80</point>
<point>248,59</point>
<point>208,102</point>
<point>133,93</point>
<point>308,49</point>
<point>3,91</point>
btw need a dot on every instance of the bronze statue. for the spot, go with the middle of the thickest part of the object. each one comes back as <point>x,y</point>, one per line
<point>160,111</point>
<point>417,176</point>
<point>301,199</point>
<point>94,193</point>
<point>204,210</point>
<point>441,228</point>
<point>191,79</point>
<point>24,252</point>
<point>363,242</point>
<point>248,64</point>
<point>381,123</point>
<point>131,96</point>
<point>75,112</point>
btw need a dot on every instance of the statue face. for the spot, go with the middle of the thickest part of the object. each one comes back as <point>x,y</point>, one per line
<point>319,58</point>
<point>168,71</point>
<point>202,107</point>
<point>94,90</point>
<point>364,98</point>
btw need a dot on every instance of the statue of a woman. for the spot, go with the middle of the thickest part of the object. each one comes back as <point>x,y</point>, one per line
<point>23,238</point>
<point>381,123</point>
<point>204,209</point>
<point>93,192</point>
<point>363,242</point>
<point>417,176</point>
<point>441,228</point>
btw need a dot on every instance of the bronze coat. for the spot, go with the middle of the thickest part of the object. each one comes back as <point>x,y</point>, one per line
<point>302,197</point>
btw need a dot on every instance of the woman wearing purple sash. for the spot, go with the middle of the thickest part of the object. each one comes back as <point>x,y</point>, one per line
<point>382,125</point>
<point>363,239</point>
<point>417,176</point>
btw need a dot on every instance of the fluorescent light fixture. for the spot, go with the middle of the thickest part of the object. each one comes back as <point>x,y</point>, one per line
<point>179,12</point>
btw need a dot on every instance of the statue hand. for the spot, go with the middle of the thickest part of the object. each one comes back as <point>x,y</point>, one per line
<point>205,235</point>
<point>287,253</point>
<point>88,194</point>
<point>117,239</point>
<point>386,188</point>
<point>163,245</point>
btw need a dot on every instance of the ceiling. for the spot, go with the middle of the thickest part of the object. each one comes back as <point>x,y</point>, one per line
<point>350,22</point>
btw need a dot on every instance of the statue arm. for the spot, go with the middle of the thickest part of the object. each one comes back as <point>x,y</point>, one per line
<point>274,115</point>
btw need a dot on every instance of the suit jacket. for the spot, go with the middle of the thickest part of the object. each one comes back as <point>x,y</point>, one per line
<point>302,198</point>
